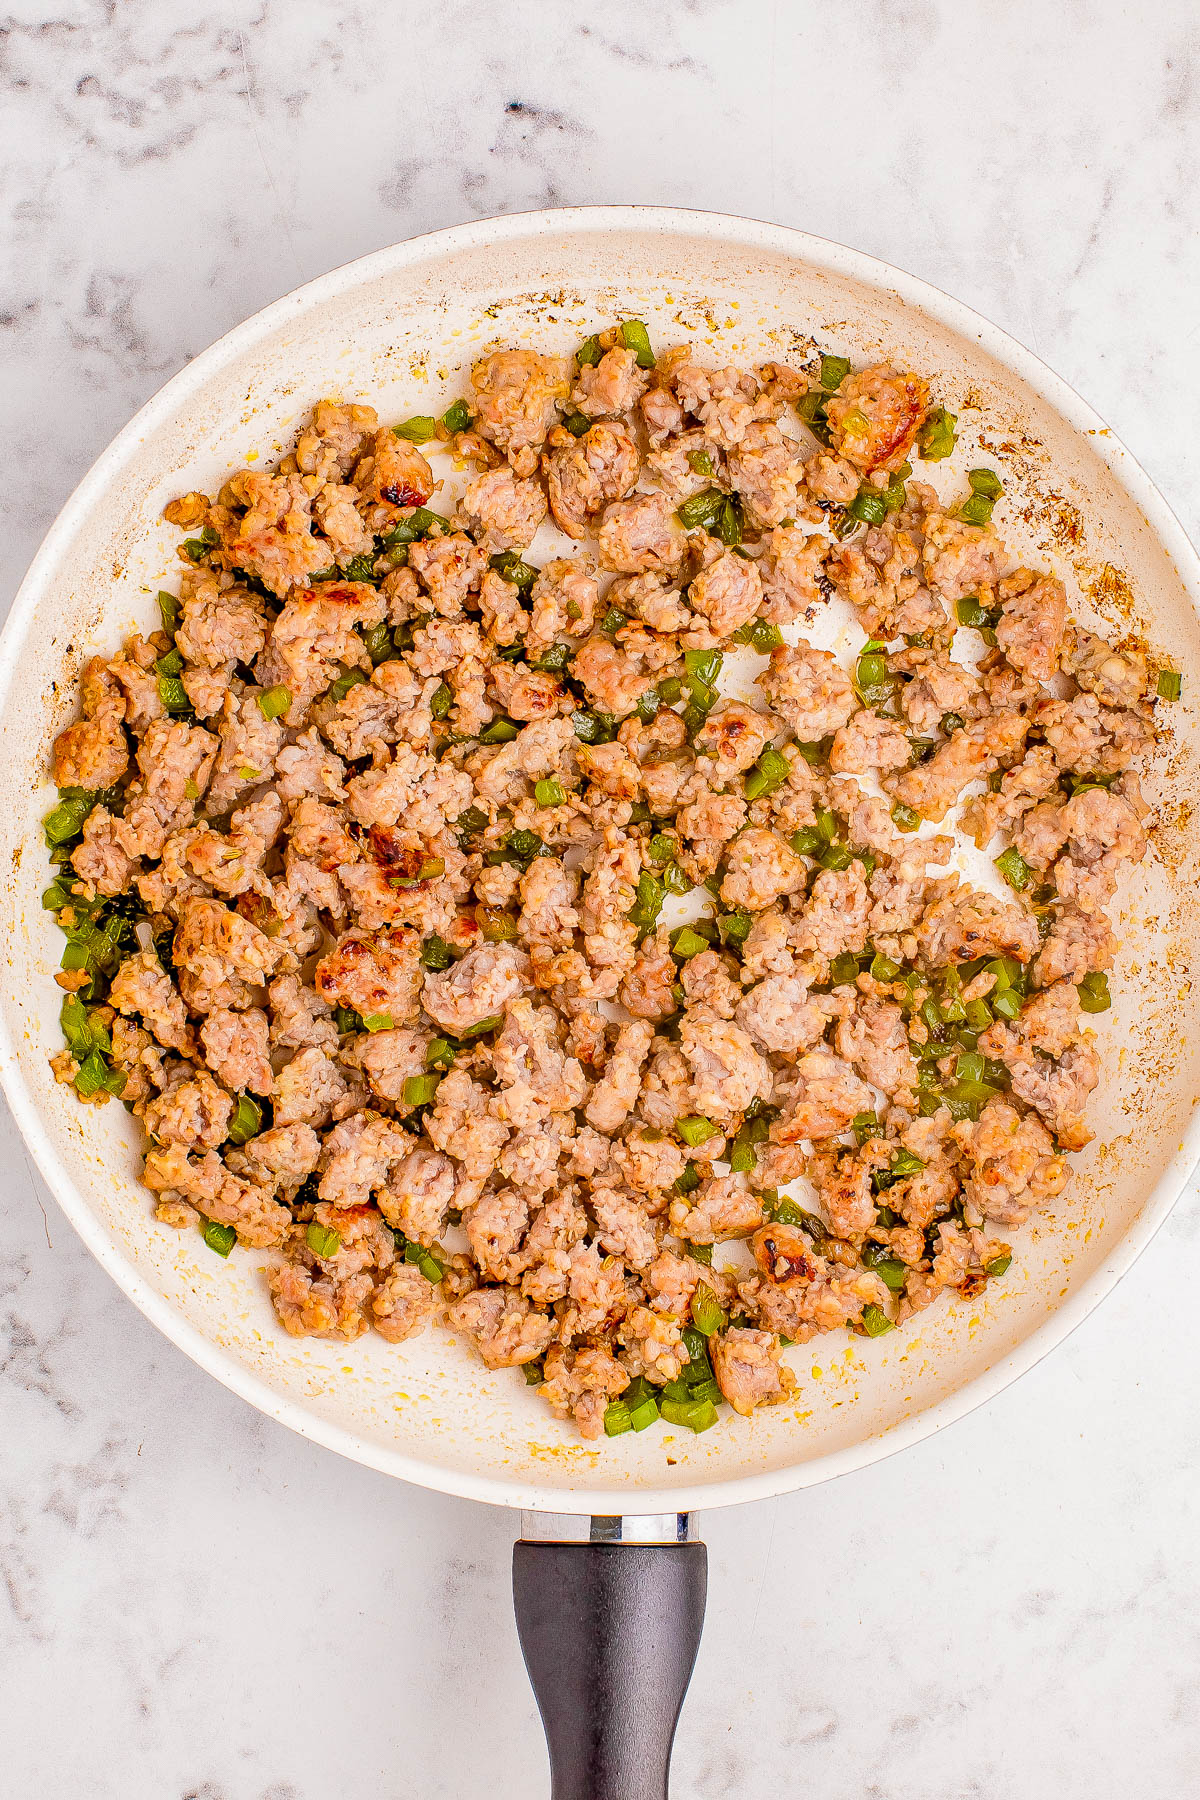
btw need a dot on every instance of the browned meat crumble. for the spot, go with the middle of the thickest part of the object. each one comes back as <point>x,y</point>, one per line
<point>457,937</point>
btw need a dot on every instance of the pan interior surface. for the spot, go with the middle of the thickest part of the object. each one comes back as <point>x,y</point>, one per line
<point>399,330</point>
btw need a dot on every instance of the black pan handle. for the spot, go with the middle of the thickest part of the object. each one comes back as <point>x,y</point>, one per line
<point>610,1634</point>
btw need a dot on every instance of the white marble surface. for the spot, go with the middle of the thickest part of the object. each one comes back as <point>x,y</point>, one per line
<point>199,1606</point>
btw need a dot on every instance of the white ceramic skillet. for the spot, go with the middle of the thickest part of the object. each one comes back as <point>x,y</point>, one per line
<point>399,329</point>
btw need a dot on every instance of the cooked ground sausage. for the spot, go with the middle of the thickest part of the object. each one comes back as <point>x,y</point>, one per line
<point>367,860</point>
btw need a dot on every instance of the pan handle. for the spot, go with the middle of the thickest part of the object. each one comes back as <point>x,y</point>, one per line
<point>610,1629</point>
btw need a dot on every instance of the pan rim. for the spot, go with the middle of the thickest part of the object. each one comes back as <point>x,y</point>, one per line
<point>745,233</point>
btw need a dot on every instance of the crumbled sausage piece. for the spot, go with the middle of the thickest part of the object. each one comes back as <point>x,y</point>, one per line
<point>613,681</point>
<point>388,1059</point>
<point>476,988</point>
<point>960,923</point>
<point>938,686</point>
<point>464,1125</point>
<point>734,735</point>
<point>1102,831</point>
<point>792,567</point>
<point>450,568</point>
<point>661,413</point>
<point>418,1194</point>
<point>799,1293</point>
<point>272,538</point>
<point>623,1227</point>
<point>501,511</point>
<point>374,974</point>
<point>721,1207</point>
<point>831,479</point>
<point>869,742</point>
<point>640,534</point>
<point>766,469</point>
<point>707,982</point>
<point>527,1053</point>
<point>281,1157</point>
<point>846,1195</point>
<point>391,478</point>
<point>652,1343</point>
<point>220,626</point>
<point>93,752</point>
<point>195,1113</point>
<point>403,1304</point>
<point>875,1041</point>
<point>810,690</point>
<point>517,394</point>
<point>225,1198</point>
<point>1049,1021</point>
<point>100,860</point>
<point>615,1093</point>
<point>237,1049</point>
<point>649,1162</point>
<point>837,915</point>
<point>728,593</point>
<point>308,1089</point>
<point>174,761</point>
<point>248,744</point>
<point>1032,622</point>
<point>781,1017</point>
<point>1013,1166</point>
<point>748,1370</point>
<point>582,1382</point>
<point>1058,1090</point>
<point>333,441</point>
<point>959,558</point>
<point>583,475</point>
<point>645,990</point>
<point>1078,944</point>
<point>506,1332</point>
<point>821,1094</point>
<point>141,985</point>
<point>875,415</point>
<point>562,604</point>
<point>225,955</point>
<point>761,867</point>
<point>727,1072</point>
<point>314,1306</point>
<point>299,1016</point>
<point>1117,678</point>
<point>1019,791</point>
<point>722,399</point>
<point>313,637</point>
<point>613,385</point>
<point>933,787</point>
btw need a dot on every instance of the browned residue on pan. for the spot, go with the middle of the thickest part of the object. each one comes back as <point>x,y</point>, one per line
<point>1015,443</point>
<point>700,315</point>
<point>798,343</point>
<point>1174,837</point>
<point>1057,520</point>
<point>1111,593</point>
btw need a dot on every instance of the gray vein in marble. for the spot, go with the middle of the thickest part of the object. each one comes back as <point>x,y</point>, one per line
<point>28,1361</point>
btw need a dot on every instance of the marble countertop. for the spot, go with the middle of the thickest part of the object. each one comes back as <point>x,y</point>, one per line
<point>197,1605</point>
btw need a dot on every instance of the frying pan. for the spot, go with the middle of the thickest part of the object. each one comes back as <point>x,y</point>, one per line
<point>609,1587</point>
